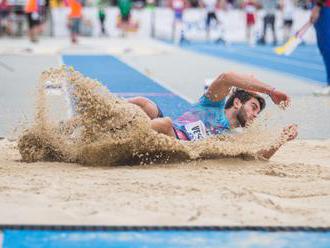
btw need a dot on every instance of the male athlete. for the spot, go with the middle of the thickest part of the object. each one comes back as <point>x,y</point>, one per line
<point>214,115</point>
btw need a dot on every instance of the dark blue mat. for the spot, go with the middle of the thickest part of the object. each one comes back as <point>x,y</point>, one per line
<point>125,81</point>
<point>165,238</point>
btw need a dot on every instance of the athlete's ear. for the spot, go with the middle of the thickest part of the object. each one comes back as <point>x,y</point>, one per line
<point>237,103</point>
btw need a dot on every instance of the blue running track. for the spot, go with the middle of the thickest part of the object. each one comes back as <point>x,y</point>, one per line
<point>305,62</point>
<point>164,239</point>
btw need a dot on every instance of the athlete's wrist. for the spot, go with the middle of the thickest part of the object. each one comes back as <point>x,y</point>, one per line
<point>271,91</point>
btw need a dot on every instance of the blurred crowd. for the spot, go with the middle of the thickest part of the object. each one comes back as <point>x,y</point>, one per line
<point>18,17</point>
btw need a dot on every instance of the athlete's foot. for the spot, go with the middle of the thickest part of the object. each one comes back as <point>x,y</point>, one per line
<point>220,40</point>
<point>261,41</point>
<point>184,40</point>
<point>322,92</point>
<point>74,40</point>
<point>34,40</point>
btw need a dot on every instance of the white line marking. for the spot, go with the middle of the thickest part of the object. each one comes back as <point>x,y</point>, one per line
<point>1,239</point>
<point>67,98</point>
<point>153,79</point>
<point>143,94</point>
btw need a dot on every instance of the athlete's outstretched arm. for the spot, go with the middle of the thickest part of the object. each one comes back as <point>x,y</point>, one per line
<point>221,86</point>
<point>288,133</point>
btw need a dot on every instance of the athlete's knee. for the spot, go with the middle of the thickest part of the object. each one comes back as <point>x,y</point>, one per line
<point>139,100</point>
<point>167,120</point>
<point>165,123</point>
<point>168,123</point>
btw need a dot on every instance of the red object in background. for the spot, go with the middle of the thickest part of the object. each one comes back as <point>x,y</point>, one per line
<point>250,19</point>
<point>31,6</point>
<point>4,5</point>
<point>327,3</point>
<point>250,8</point>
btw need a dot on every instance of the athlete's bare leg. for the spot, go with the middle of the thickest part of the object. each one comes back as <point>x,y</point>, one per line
<point>148,106</point>
<point>163,125</point>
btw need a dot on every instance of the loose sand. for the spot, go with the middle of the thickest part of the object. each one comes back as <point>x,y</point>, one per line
<point>169,183</point>
<point>291,189</point>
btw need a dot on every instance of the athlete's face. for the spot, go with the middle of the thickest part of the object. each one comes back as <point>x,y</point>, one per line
<point>248,111</point>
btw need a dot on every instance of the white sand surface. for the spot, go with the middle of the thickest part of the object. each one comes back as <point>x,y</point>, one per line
<point>291,189</point>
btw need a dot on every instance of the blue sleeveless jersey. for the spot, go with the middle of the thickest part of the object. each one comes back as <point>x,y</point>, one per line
<point>205,118</point>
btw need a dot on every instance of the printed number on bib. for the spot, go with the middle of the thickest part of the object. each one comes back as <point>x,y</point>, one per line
<point>196,130</point>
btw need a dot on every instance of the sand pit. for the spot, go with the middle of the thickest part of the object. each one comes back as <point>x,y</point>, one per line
<point>167,182</point>
<point>291,189</point>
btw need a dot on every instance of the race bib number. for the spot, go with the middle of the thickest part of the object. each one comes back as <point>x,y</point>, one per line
<point>196,130</point>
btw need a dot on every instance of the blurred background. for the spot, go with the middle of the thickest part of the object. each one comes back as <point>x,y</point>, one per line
<point>209,37</point>
<point>159,19</point>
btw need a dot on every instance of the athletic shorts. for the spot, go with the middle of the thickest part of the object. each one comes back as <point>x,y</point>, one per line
<point>288,23</point>
<point>33,19</point>
<point>75,25</point>
<point>160,112</point>
<point>250,19</point>
<point>210,16</point>
<point>125,18</point>
<point>179,134</point>
<point>178,14</point>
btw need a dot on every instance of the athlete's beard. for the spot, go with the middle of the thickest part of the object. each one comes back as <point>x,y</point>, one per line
<point>242,116</point>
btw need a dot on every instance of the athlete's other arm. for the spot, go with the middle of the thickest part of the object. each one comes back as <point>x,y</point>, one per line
<point>221,86</point>
<point>315,13</point>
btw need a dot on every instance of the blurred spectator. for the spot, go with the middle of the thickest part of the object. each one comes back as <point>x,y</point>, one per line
<point>4,17</point>
<point>269,19</point>
<point>211,15</point>
<point>320,16</point>
<point>46,16</point>
<point>32,10</point>
<point>287,8</point>
<point>151,4</point>
<point>74,17</point>
<point>178,7</point>
<point>250,7</point>
<point>101,4</point>
<point>125,7</point>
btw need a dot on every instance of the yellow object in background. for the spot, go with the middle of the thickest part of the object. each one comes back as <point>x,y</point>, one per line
<point>289,46</point>
<point>294,41</point>
<point>56,3</point>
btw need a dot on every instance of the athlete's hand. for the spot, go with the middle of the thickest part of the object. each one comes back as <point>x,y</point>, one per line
<point>290,132</point>
<point>280,97</point>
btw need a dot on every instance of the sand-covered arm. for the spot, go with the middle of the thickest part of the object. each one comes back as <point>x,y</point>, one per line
<point>288,133</point>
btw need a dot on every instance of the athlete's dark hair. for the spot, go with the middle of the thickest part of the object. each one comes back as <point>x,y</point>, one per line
<point>244,96</point>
